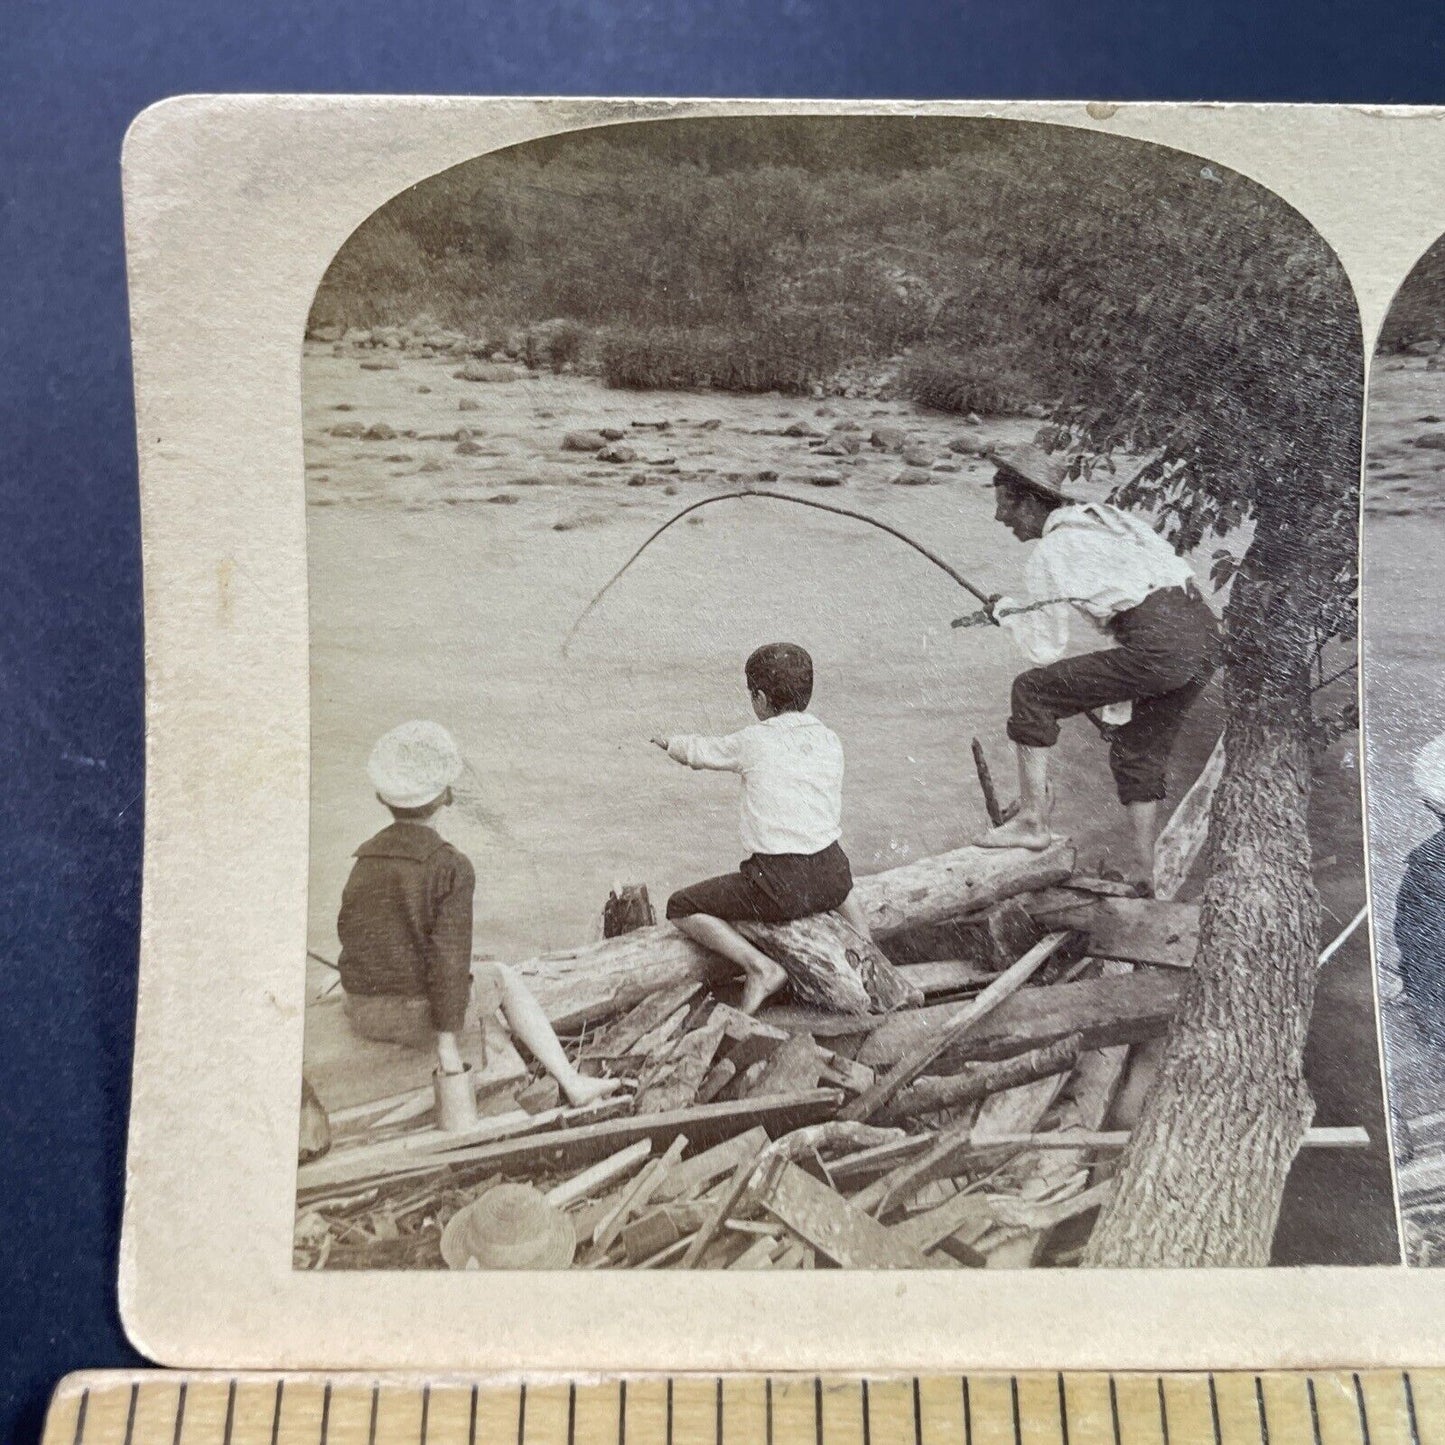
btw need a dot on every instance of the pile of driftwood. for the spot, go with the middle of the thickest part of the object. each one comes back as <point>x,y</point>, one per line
<point>946,1096</point>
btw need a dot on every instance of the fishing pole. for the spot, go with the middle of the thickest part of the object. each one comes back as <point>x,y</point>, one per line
<point>775,497</point>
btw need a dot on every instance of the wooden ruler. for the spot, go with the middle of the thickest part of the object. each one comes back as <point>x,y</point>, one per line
<point>1333,1407</point>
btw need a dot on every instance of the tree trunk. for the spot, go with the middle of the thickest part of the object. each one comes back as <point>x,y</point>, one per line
<point>1204,1175</point>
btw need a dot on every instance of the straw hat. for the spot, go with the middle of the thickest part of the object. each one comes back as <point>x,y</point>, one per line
<point>1035,468</point>
<point>510,1227</point>
<point>414,764</point>
<point>1429,773</point>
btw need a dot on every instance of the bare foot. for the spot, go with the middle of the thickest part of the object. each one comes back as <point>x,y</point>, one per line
<point>582,1090</point>
<point>761,986</point>
<point>1022,831</point>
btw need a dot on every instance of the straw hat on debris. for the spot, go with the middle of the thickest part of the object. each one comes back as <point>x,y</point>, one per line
<point>510,1227</point>
<point>1034,467</point>
<point>414,764</point>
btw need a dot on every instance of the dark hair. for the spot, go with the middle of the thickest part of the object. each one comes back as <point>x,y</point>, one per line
<point>783,673</point>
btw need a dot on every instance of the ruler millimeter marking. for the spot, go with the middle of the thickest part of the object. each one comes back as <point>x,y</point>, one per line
<point>1373,1407</point>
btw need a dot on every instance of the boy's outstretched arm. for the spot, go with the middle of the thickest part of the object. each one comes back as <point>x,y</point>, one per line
<point>724,755</point>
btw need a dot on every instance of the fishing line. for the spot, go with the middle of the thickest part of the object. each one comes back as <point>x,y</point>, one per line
<point>773,497</point>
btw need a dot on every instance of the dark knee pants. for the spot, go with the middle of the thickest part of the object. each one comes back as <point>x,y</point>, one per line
<point>1168,650</point>
<point>770,888</point>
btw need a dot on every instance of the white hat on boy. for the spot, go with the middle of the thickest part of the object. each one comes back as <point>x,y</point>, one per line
<point>414,764</point>
<point>1429,773</point>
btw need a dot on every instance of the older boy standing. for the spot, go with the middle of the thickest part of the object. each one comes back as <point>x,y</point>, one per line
<point>1116,571</point>
<point>791,820</point>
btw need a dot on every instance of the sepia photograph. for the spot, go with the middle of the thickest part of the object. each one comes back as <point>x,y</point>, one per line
<point>834,734</point>
<point>1405,709</point>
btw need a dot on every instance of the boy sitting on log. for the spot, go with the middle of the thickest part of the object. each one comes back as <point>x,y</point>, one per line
<point>406,924</point>
<point>791,811</point>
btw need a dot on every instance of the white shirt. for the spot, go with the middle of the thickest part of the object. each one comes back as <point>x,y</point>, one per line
<point>792,772</point>
<point>1097,559</point>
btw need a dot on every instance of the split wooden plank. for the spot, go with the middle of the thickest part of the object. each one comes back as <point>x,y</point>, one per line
<point>950,1149</point>
<point>1138,930</point>
<point>679,1073</point>
<point>870,1163</point>
<point>1038,1218</point>
<point>1349,1136</point>
<point>728,1199</point>
<point>590,1180</point>
<point>839,1069</point>
<point>793,1255</point>
<point>1015,1111</point>
<point>604,979</point>
<point>660,1228</point>
<point>622,1035</point>
<point>965,1219</point>
<point>917,1058</point>
<point>947,975</point>
<point>830,1223</point>
<point>514,1123</point>
<point>398,1155</point>
<point>1103,1011</point>
<point>722,1073</point>
<point>978,1081</point>
<point>705,1124</point>
<point>759,1254</point>
<point>1183,837</point>
<point>793,1067</point>
<point>637,1195</point>
<point>1091,1090</point>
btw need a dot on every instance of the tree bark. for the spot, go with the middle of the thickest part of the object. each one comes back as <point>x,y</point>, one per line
<point>1205,1171</point>
<point>832,967</point>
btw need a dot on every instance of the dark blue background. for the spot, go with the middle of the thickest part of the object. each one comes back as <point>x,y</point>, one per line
<point>72,75</point>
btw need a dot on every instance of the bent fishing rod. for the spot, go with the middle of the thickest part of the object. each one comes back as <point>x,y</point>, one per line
<point>892,531</point>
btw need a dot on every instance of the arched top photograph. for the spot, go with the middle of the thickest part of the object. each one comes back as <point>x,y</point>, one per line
<point>983,496</point>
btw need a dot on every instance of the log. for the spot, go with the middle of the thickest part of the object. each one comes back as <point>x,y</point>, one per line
<point>1103,1011</point>
<point>604,979</point>
<point>960,1022</point>
<point>978,1081</point>
<point>1138,930</point>
<point>830,1223</point>
<point>830,966</point>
